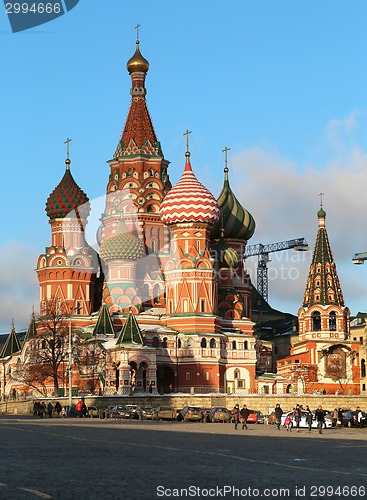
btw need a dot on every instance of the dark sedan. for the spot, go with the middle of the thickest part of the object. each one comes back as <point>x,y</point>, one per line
<point>350,419</point>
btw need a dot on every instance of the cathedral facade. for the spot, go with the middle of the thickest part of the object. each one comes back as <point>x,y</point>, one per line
<point>164,303</point>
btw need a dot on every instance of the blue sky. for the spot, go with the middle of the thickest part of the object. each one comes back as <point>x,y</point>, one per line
<point>283,84</point>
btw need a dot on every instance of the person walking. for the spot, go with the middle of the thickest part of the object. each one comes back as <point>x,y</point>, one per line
<point>320,418</point>
<point>244,413</point>
<point>278,415</point>
<point>58,408</point>
<point>309,418</point>
<point>49,409</point>
<point>78,408</point>
<point>41,410</point>
<point>288,423</point>
<point>334,417</point>
<point>297,415</point>
<point>236,415</point>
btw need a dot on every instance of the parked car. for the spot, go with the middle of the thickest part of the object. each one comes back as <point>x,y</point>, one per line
<point>92,412</point>
<point>206,414</point>
<point>190,414</point>
<point>120,412</point>
<point>252,418</point>
<point>349,419</point>
<point>260,417</point>
<point>220,414</point>
<point>164,413</point>
<point>303,423</point>
<point>134,412</point>
<point>145,412</point>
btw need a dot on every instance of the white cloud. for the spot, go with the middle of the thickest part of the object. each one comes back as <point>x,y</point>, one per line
<point>19,286</point>
<point>284,202</point>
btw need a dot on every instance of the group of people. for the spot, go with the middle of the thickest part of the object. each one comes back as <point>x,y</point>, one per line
<point>240,416</point>
<point>40,409</point>
<point>296,417</point>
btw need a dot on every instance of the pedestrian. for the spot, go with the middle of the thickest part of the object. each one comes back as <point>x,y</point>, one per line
<point>36,408</point>
<point>340,417</point>
<point>63,412</point>
<point>84,410</point>
<point>358,417</point>
<point>236,415</point>
<point>288,423</point>
<point>244,413</point>
<point>58,408</point>
<point>49,409</point>
<point>335,417</point>
<point>41,410</point>
<point>320,418</point>
<point>309,418</point>
<point>78,408</point>
<point>278,415</point>
<point>297,415</point>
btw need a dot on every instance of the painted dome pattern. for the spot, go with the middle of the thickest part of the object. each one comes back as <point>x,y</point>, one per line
<point>226,256</point>
<point>122,245</point>
<point>189,201</point>
<point>67,199</point>
<point>236,221</point>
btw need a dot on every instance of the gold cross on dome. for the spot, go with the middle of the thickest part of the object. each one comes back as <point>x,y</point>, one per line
<point>67,147</point>
<point>137,30</point>
<point>187,139</point>
<point>225,151</point>
<point>321,195</point>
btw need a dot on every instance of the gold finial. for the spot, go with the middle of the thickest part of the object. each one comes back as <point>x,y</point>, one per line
<point>321,195</point>
<point>225,151</point>
<point>67,161</point>
<point>137,32</point>
<point>187,139</point>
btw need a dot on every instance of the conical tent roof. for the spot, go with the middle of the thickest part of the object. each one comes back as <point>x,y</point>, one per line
<point>11,345</point>
<point>131,333</point>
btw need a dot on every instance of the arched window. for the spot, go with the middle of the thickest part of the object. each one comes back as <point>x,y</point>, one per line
<point>155,342</point>
<point>164,343</point>
<point>289,389</point>
<point>212,344</point>
<point>363,367</point>
<point>316,321</point>
<point>43,344</point>
<point>203,343</point>
<point>245,345</point>
<point>157,294</point>
<point>179,343</point>
<point>332,321</point>
<point>234,345</point>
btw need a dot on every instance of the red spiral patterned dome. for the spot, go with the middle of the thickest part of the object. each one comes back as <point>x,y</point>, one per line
<point>67,199</point>
<point>189,201</point>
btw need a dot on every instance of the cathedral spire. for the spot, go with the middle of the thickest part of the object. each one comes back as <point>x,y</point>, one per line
<point>138,136</point>
<point>323,285</point>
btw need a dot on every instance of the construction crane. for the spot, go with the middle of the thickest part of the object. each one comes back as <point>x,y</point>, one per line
<point>262,251</point>
<point>359,258</point>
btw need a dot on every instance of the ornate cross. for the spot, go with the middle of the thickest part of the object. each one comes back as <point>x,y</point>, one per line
<point>225,151</point>
<point>321,195</point>
<point>67,148</point>
<point>137,30</point>
<point>187,139</point>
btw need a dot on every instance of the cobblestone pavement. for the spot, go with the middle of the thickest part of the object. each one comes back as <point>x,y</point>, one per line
<point>112,459</point>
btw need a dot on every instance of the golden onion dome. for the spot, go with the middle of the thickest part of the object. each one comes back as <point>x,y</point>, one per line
<point>137,62</point>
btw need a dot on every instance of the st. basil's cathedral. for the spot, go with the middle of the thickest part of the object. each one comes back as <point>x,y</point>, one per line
<point>164,303</point>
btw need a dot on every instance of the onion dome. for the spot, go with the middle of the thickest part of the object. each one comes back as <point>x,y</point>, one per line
<point>321,214</point>
<point>189,201</point>
<point>137,62</point>
<point>67,199</point>
<point>237,222</point>
<point>226,256</point>
<point>122,245</point>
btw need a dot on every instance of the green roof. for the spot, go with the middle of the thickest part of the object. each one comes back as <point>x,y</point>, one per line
<point>130,333</point>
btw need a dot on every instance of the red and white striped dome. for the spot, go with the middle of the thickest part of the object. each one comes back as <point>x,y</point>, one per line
<point>189,201</point>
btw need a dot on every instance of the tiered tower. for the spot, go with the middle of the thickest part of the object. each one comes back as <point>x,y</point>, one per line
<point>68,269</point>
<point>324,359</point>
<point>137,184</point>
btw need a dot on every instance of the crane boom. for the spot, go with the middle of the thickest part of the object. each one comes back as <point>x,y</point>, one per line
<point>262,251</point>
